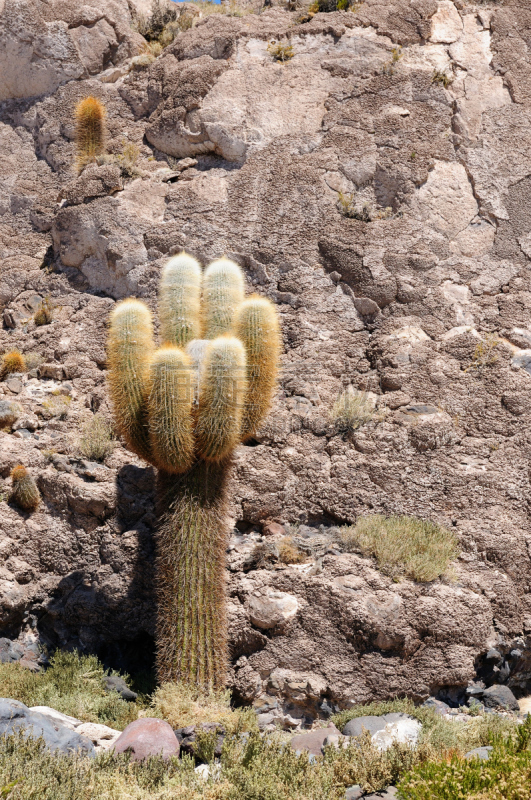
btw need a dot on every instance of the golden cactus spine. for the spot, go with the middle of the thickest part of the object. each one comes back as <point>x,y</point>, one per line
<point>170,410</point>
<point>184,408</point>
<point>130,349</point>
<point>257,328</point>
<point>223,291</point>
<point>222,394</point>
<point>180,301</point>
<point>25,492</point>
<point>89,116</point>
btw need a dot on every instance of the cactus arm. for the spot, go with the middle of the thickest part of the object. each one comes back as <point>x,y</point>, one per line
<point>258,329</point>
<point>221,398</point>
<point>170,404</point>
<point>130,348</point>
<point>179,300</point>
<point>223,291</point>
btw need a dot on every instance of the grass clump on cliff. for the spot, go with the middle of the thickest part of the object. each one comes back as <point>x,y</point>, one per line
<point>351,410</point>
<point>97,440</point>
<point>403,546</point>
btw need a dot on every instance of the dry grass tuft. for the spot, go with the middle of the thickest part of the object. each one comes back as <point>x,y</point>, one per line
<point>182,705</point>
<point>96,441</point>
<point>44,314</point>
<point>403,546</point>
<point>280,51</point>
<point>353,409</point>
<point>289,553</point>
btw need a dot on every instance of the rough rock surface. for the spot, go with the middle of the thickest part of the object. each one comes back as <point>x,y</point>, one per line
<point>426,306</point>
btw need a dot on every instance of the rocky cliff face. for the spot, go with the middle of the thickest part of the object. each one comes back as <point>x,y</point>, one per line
<point>420,111</point>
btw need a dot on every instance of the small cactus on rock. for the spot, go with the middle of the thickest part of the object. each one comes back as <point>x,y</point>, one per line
<point>25,492</point>
<point>184,407</point>
<point>13,361</point>
<point>90,130</point>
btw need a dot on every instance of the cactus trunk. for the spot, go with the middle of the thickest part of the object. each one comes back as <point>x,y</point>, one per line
<point>192,543</point>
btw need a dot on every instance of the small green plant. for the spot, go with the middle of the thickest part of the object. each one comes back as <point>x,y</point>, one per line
<point>12,362</point>
<point>389,67</point>
<point>44,313</point>
<point>57,405</point>
<point>485,354</point>
<point>403,546</point>
<point>90,116</point>
<point>25,492</point>
<point>97,440</point>
<point>280,51</point>
<point>351,410</point>
<point>441,78</point>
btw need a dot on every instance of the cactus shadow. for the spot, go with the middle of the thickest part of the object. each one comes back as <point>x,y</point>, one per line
<point>112,613</point>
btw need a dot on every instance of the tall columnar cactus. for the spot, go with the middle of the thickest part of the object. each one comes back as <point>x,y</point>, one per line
<point>184,407</point>
<point>90,130</point>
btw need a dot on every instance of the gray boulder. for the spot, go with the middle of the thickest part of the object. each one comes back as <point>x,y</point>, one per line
<point>113,683</point>
<point>357,726</point>
<point>354,792</point>
<point>482,753</point>
<point>15,716</point>
<point>500,697</point>
<point>9,413</point>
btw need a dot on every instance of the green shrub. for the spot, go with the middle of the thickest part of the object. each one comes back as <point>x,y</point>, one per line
<point>96,441</point>
<point>73,684</point>
<point>403,546</point>
<point>506,775</point>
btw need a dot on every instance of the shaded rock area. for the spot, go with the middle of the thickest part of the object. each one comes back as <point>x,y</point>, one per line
<point>423,302</point>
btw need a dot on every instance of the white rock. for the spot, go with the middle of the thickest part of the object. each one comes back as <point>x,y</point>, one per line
<point>404,731</point>
<point>446,24</point>
<point>411,333</point>
<point>100,735</point>
<point>271,608</point>
<point>56,716</point>
<point>446,200</point>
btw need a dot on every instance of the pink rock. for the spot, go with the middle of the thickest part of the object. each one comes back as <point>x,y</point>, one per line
<point>148,737</point>
<point>273,529</point>
<point>313,741</point>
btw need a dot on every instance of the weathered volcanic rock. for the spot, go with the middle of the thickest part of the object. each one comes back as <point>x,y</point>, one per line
<point>421,298</point>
